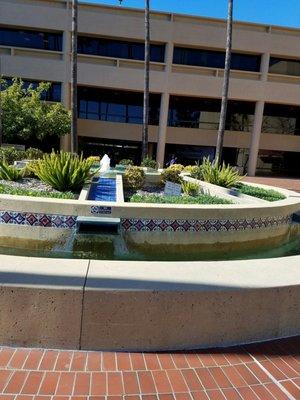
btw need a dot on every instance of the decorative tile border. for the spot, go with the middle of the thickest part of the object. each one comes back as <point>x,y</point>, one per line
<point>171,225</point>
<point>33,219</point>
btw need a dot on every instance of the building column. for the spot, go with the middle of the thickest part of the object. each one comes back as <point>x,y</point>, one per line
<point>264,66</point>
<point>258,118</point>
<point>255,137</point>
<point>164,108</point>
<point>162,130</point>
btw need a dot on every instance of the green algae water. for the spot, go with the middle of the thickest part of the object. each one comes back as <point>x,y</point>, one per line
<point>106,250</point>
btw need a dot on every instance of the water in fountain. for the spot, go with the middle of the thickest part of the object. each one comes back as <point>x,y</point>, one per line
<point>104,164</point>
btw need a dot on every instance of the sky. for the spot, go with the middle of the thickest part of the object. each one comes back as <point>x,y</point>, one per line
<point>273,12</point>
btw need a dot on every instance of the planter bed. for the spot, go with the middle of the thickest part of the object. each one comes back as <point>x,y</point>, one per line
<point>261,193</point>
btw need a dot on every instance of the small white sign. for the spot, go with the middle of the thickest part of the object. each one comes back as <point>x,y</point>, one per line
<point>172,189</point>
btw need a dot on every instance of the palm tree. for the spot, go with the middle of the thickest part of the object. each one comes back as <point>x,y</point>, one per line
<point>74,137</point>
<point>221,130</point>
<point>145,129</point>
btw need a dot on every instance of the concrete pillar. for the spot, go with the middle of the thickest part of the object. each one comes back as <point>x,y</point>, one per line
<point>65,141</point>
<point>255,137</point>
<point>258,118</point>
<point>264,66</point>
<point>162,130</point>
<point>164,108</point>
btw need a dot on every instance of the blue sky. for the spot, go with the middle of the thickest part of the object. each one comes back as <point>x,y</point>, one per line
<point>275,12</point>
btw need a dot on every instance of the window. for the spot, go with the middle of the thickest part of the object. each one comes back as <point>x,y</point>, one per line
<point>119,49</point>
<point>282,119</point>
<point>53,94</point>
<point>192,112</point>
<point>116,105</point>
<point>284,66</point>
<point>215,59</point>
<point>31,39</point>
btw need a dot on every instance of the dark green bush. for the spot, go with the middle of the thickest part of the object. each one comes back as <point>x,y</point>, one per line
<point>190,188</point>
<point>126,162</point>
<point>9,172</point>
<point>33,154</point>
<point>148,162</point>
<point>222,175</point>
<point>134,178</point>
<point>63,171</point>
<point>10,155</point>
<point>172,173</point>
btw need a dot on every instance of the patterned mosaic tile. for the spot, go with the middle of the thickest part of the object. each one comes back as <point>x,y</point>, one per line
<point>33,219</point>
<point>149,225</point>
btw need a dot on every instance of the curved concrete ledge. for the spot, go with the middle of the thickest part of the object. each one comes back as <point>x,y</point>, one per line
<point>147,305</point>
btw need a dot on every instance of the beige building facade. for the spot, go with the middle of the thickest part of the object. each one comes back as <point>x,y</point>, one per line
<point>187,57</point>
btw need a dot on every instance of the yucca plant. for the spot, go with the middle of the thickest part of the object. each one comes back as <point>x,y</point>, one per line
<point>64,171</point>
<point>190,188</point>
<point>9,172</point>
<point>222,175</point>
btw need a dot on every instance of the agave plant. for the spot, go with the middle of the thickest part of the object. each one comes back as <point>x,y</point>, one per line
<point>64,171</point>
<point>222,175</point>
<point>9,172</point>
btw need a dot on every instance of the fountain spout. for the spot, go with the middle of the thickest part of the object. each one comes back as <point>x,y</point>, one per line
<point>105,163</point>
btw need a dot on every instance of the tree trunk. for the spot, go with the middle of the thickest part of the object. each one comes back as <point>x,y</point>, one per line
<point>1,112</point>
<point>74,111</point>
<point>146,81</point>
<point>222,122</point>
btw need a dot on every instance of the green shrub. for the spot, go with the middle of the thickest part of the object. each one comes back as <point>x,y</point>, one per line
<point>126,162</point>
<point>94,159</point>
<point>5,189</point>
<point>190,188</point>
<point>261,193</point>
<point>201,199</point>
<point>9,172</point>
<point>172,173</point>
<point>195,171</point>
<point>63,171</point>
<point>33,154</point>
<point>222,175</point>
<point>149,163</point>
<point>28,170</point>
<point>134,178</point>
<point>10,155</point>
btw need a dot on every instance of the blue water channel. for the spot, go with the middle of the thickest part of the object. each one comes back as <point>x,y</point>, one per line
<point>103,189</point>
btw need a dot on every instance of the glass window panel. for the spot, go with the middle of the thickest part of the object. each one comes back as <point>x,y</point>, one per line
<point>118,106</point>
<point>284,66</point>
<point>119,48</point>
<point>137,51</point>
<point>215,59</point>
<point>31,39</point>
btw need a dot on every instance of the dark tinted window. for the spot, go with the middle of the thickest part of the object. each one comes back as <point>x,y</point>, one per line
<point>202,113</point>
<point>116,105</point>
<point>119,49</point>
<point>53,94</point>
<point>282,119</point>
<point>215,59</point>
<point>31,39</point>
<point>284,66</point>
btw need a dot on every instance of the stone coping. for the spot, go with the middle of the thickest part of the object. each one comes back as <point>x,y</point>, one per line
<point>149,275</point>
<point>146,306</point>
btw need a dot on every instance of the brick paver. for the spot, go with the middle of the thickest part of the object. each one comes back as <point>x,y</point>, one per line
<point>266,371</point>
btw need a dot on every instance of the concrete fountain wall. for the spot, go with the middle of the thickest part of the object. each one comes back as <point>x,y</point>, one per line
<point>146,305</point>
<point>41,223</point>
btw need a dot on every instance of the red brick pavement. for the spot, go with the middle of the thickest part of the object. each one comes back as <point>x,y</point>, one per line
<point>264,371</point>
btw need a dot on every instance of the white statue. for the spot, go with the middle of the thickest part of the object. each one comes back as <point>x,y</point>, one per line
<point>104,163</point>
